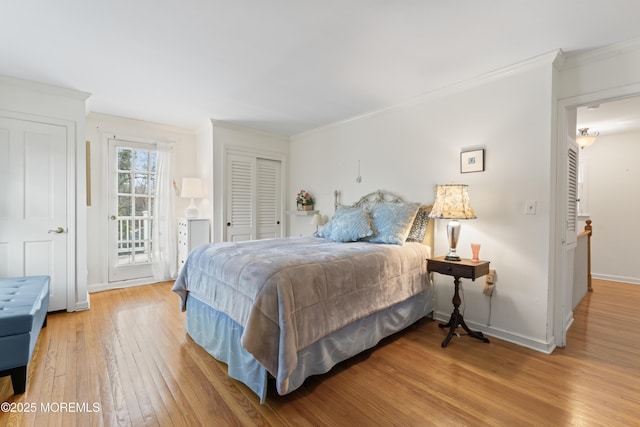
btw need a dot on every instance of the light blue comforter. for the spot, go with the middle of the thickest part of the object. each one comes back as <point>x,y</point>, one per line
<point>288,293</point>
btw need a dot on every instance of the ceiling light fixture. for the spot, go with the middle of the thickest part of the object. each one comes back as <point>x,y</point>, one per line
<point>584,139</point>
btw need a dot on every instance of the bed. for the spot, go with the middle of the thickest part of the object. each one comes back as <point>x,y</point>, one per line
<point>294,307</point>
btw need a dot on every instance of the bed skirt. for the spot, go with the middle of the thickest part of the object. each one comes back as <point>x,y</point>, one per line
<point>318,358</point>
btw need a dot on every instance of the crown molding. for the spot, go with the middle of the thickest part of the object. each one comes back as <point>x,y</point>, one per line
<point>118,121</point>
<point>241,128</point>
<point>549,58</point>
<point>600,54</point>
<point>44,88</point>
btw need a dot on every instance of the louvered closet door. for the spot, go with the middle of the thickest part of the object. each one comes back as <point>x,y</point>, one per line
<point>268,199</point>
<point>571,234</point>
<point>240,201</point>
<point>253,198</point>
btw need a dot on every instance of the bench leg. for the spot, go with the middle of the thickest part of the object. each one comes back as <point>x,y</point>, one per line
<point>18,379</point>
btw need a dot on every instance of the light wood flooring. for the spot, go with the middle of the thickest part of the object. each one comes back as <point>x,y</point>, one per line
<point>130,359</point>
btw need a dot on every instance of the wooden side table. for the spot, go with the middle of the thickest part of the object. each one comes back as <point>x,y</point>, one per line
<point>464,268</point>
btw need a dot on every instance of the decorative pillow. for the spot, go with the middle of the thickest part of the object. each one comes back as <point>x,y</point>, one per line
<point>351,226</point>
<point>347,225</point>
<point>420,224</point>
<point>328,227</point>
<point>392,222</point>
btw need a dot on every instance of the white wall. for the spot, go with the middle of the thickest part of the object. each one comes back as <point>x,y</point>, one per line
<point>99,128</point>
<point>409,149</point>
<point>204,169</point>
<point>612,176</point>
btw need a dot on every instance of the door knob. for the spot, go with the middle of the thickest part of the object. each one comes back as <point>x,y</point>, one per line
<point>58,230</point>
<point>113,217</point>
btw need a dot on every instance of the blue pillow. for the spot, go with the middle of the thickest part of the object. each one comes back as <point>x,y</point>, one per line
<point>328,227</point>
<point>392,222</point>
<point>347,225</point>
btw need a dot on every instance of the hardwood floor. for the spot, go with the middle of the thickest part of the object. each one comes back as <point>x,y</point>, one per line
<point>129,361</point>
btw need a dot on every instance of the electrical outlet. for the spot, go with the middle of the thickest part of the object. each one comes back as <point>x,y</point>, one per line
<point>530,207</point>
<point>489,282</point>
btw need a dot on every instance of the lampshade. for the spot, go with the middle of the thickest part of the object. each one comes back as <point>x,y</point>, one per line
<point>584,139</point>
<point>452,202</point>
<point>317,220</point>
<point>192,188</point>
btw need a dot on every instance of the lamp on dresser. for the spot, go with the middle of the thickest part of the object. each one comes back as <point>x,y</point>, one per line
<point>317,220</point>
<point>192,189</point>
<point>452,202</point>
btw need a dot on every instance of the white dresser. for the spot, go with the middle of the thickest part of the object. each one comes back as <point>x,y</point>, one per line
<point>192,232</point>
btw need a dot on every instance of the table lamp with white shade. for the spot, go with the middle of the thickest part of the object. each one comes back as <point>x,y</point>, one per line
<point>317,220</point>
<point>192,189</point>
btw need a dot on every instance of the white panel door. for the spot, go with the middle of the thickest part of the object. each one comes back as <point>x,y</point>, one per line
<point>33,204</point>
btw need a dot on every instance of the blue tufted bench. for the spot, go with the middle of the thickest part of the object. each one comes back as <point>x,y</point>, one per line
<point>24,302</point>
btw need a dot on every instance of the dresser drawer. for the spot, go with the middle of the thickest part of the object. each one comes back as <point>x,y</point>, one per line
<point>464,268</point>
<point>192,232</point>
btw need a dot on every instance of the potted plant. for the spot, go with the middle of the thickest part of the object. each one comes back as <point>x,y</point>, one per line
<point>304,201</point>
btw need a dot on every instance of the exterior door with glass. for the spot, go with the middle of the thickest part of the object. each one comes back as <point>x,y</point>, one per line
<point>132,177</point>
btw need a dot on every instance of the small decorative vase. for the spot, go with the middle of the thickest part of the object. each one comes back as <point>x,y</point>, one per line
<point>475,251</point>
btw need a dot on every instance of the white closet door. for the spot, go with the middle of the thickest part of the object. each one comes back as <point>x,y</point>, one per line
<point>268,212</point>
<point>33,204</point>
<point>241,179</point>
<point>253,199</point>
<point>571,235</point>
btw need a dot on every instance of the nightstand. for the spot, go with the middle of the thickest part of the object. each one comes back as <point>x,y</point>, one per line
<point>464,268</point>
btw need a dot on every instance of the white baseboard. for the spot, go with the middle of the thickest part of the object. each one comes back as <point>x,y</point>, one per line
<point>99,287</point>
<point>533,344</point>
<point>84,305</point>
<point>611,278</point>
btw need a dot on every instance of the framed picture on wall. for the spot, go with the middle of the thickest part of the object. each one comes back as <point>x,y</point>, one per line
<point>472,161</point>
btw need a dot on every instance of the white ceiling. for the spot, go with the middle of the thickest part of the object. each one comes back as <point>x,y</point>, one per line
<point>611,117</point>
<point>286,65</point>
